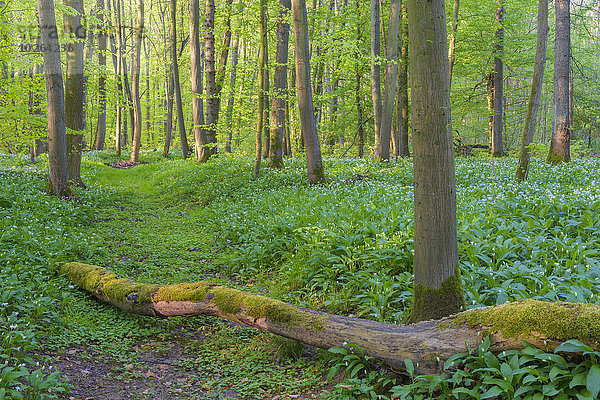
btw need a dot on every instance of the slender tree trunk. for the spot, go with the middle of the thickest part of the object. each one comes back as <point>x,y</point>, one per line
<point>266,141</point>
<point>177,86</point>
<point>536,90</point>
<point>404,82</point>
<point>169,91</point>
<point>376,68</point>
<point>382,149</point>
<point>452,45</point>
<point>135,87</point>
<point>101,127</point>
<point>57,137</point>
<point>498,94</point>
<point>196,77</point>
<point>119,71</point>
<point>560,144</point>
<point>261,84</point>
<point>316,171</point>
<point>231,101</point>
<point>220,75</point>
<point>212,97</point>
<point>279,87</point>
<point>358,96</point>
<point>438,286</point>
<point>74,92</point>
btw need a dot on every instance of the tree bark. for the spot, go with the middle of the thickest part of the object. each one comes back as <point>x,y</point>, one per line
<point>382,150</point>
<point>101,127</point>
<point>168,125</point>
<point>315,169</point>
<point>74,92</point>
<point>279,87</point>
<point>438,287</point>
<point>135,86</point>
<point>428,343</point>
<point>376,69</point>
<point>231,101</point>
<point>196,78</point>
<point>57,138</point>
<point>119,73</point>
<point>261,86</point>
<point>452,46</point>
<point>176,85</point>
<point>536,90</point>
<point>498,93</point>
<point>403,83</point>
<point>212,97</point>
<point>560,144</point>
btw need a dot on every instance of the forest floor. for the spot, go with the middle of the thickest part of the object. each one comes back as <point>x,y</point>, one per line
<point>123,356</point>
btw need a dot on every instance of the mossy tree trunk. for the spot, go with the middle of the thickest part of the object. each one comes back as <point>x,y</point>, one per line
<point>438,287</point>
<point>536,90</point>
<point>428,343</point>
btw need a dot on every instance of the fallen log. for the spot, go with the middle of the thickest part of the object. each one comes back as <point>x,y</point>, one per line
<point>428,343</point>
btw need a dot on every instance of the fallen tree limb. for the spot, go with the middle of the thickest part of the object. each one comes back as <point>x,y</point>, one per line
<point>429,343</point>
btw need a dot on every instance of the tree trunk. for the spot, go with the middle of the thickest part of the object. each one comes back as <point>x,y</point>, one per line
<point>498,95</point>
<point>231,101</point>
<point>279,87</point>
<point>57,138</point>
<point>403,84</point>
<point>119,73</point>
<point>212,102</point>
<point>101,128</point>
<point>316,171</point>
<point>176,85</point>
<point>560,144</point>
<point>376,69</point>
<point>196,78</point>
<point>382,150</point>
<point>438,286</point>
<point>135,86</point>
<point>536,90</point>
<point>452,45</point>
<point>261,85</point>
<point>266,141</point>
<point>543,324</point>
<point>74,92</point>
<point>169,91</point>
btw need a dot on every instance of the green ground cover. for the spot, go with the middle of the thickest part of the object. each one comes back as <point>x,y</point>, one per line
<point>343,247</point>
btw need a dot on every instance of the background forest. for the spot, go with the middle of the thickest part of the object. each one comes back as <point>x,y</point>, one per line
<point>170,108</point>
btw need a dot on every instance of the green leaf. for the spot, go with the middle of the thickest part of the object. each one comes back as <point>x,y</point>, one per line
<point>579,380</point>
<point>492,392</point>
<point>573,346</point>
<point>593,381</point>
<point>491,360</point>
<point>470,392</point>
<point>410,367</point>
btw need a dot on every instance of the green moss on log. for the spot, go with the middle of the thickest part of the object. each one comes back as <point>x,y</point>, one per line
<point>560,321</point>
<point>429,303</point>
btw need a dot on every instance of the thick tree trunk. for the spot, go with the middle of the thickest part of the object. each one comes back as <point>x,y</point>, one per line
<point>560,144</point>
<point>316,171</point>
<point>57,138</point>
<point>74,92</point>
<point>536,90</point>
<point>382,149</point>
<point>428,343</point>
<point>101,127</point>
<point>498,94</point>
<point>452,46</point>
<point>279,87</point>
<point>403,82</point>
<point>135,86</point>
<point>438,287</point>
<point>376,69</point>
<point>176,85</point>
<point>196,78</point>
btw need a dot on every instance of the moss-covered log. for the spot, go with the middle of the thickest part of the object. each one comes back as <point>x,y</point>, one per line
<point>428,343</point>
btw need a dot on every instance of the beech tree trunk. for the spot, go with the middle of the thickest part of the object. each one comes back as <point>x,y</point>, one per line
<point>376,69</point>
<point>57,138</point>
<point>101,127</point>
<point>209,148</point>
<point>176,85</point>
<point>261,86</point>
<point>231,101</point>
<point>382,149</point>
<point>403,82</point>
<point>315,169</point>
<point>135,86</point>
<point>498,86</point>
<point>279,87</point>
<point>438,286</point>
<point>428,343</point>
<point>452,45</point>
<point>119,73</point>
<point>74,92</point>
<point>536,90</point>
<point>196,78</point>
<point>560,144</point>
